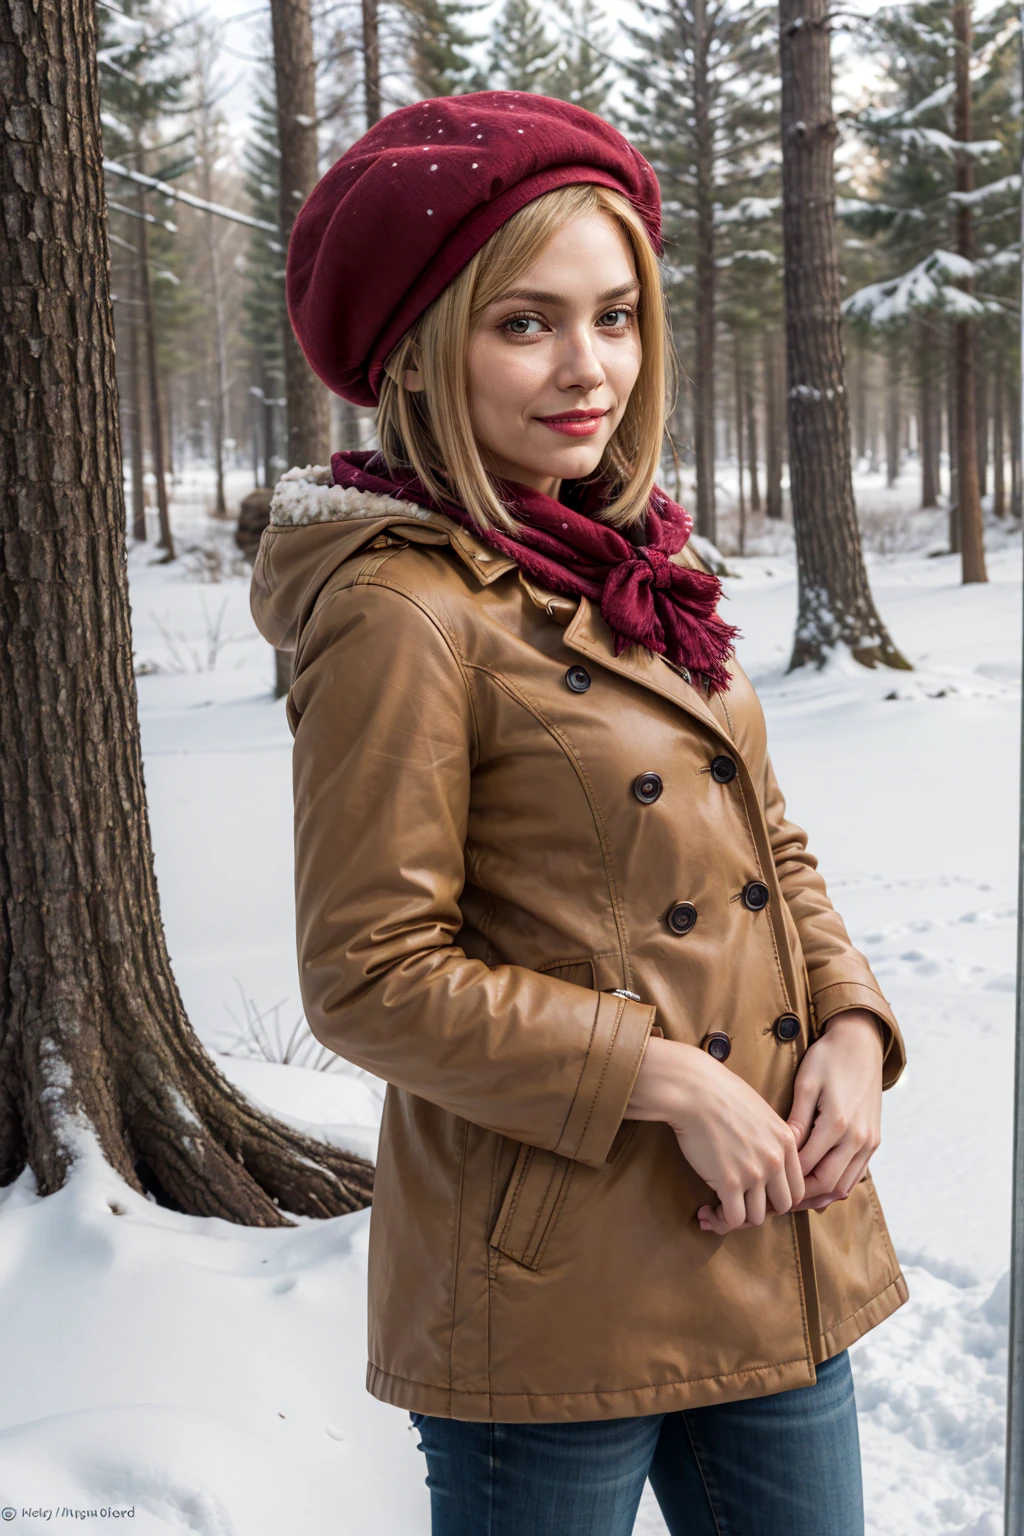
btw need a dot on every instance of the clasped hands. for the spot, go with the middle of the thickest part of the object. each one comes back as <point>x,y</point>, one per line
<point>758,1164</point>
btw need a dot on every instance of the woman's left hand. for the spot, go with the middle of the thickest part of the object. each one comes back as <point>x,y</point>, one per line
<point>837,1111</point>
<point>837,1107</point>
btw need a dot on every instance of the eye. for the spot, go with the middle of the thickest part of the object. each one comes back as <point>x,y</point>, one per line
<point>520,325</point>
<point>615,319</point>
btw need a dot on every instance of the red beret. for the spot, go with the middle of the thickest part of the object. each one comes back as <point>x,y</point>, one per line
<point>403,211</point>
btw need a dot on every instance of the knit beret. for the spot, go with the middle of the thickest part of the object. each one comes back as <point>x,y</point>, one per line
<point>401,213</point>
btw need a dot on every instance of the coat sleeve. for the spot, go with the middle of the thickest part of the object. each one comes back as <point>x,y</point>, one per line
<point>383,757</point>
<point>838,975</point>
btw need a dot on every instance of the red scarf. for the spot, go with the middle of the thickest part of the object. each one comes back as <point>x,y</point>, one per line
<point>644,597</point>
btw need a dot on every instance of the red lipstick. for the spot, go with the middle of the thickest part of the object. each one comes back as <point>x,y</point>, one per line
<point>575,423</point>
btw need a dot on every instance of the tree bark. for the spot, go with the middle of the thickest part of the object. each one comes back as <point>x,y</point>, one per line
<point>998,439</point>
<point>737,367</point>
<point>952,444</point>
<point>972,542</point>
<point>892,412</point>
<point>704,372</point>
<point>835,605</point>
<point>1016,486</point>
<point>860,399</point>
<point>371,62</point>
<point>981,412</point>
<point>772,428</point>
<point>308,429</point>
<point>135,404</point>
<point>927,447</point>
<point>156,424</point>
<point>751,415</point>
<point>95,1048</point>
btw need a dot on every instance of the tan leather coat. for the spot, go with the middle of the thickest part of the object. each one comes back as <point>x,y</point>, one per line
<point>496,904</point>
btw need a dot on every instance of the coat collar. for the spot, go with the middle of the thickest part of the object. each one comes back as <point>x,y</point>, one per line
<point>305,496</point>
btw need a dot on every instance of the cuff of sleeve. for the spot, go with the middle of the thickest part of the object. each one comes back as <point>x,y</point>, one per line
<point>621,1031</point>
<point>854,994</point>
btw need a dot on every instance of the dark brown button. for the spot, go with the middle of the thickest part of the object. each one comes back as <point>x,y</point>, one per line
<point>723,770</point>
<point>718,1045</point>
<point>787,1027</point>
<point>756,896</point>
<point>578,679</point>
<point>647,787</point>
<point>681,917</point>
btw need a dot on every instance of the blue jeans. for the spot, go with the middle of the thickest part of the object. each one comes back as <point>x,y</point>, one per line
<point>784,1465</point>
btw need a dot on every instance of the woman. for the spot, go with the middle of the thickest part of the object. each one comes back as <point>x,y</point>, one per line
<point>623,1224</point>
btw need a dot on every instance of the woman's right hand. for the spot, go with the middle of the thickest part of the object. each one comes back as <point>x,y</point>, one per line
<point>730,1136</point>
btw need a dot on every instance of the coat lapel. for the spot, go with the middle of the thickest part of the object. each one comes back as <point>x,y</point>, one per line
<point>588,633</point>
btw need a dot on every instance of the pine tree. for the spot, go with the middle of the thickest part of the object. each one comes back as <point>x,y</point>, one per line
<point>439,64</point>
<point>700,106</point>
<point>522,51</point>
<point>263,302</point>
<point>932,288</point>
<point>139,84</point>
<point>581,71</point>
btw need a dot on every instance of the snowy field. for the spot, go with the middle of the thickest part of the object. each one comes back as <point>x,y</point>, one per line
<point>210,1377</point>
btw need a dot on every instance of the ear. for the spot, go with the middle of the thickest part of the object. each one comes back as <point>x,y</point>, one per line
<point>412,378</point>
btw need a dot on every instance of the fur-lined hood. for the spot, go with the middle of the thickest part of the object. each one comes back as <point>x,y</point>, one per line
<point>315,526</point>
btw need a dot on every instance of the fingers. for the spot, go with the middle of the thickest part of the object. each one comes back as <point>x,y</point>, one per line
<point>756,1204</point>
<point>826,1135</point>
<point>806,1092</point>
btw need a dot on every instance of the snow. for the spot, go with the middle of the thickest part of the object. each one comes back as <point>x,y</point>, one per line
<point>210,1377</point>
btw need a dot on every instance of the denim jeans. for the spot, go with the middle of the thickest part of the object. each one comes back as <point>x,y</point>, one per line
<point>784,1465</point>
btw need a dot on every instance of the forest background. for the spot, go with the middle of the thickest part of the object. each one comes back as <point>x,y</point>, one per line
<point>189,99</point>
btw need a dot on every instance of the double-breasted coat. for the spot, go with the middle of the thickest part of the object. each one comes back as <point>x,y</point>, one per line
<point>516,855</point>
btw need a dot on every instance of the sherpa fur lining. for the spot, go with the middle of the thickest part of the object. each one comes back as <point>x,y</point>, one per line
<point>308,495</point>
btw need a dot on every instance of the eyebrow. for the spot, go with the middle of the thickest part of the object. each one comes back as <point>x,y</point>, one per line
<point>537,296</point>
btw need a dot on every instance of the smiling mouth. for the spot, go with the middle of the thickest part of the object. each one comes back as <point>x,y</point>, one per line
<point>575,423</point>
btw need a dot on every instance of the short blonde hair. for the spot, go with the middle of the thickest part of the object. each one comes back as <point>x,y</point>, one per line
<point>429,432</point>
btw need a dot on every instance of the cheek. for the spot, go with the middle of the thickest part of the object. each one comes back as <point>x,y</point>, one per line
<point>502,380</point>
<point>623,368</point>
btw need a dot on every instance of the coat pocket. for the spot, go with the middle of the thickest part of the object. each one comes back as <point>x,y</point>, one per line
<point>533,1201</point>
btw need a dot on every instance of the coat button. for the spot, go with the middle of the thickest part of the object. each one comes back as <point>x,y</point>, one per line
<point>723,770</point>
<point>681,917</point>
<point>718,1045</point>
<point>647,788</point>
<point>787,1027</point>
<point>756,896</point>
<point>578,679</point>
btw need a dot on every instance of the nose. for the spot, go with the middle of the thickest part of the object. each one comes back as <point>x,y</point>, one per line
<point>578,366</point>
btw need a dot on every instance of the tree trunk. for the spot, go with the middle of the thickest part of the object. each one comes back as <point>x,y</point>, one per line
<point>951,439</point>
<point>156,425</point>
<point>860,399</point>
<point>835,605</point>
<point>737,367</point>
<point>704,373</point>
<point>135,405</point>
<point>95,1048</point>
<point>751,415</point>
<point>998,439</point>
<point>772,428</point>
<point>981,411</point>
<point>308,419</point>
<point>927,447</point>
<point>892,413</point>
<point>308,432</point>
<point>972,542</point>
<point>371,62</point>
<point>220,508</point>
<point>1016,487</point>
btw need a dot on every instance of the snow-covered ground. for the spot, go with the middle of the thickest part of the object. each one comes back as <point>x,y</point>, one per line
<point>210,1377</point>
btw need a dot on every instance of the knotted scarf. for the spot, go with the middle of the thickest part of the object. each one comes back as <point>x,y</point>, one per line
<point>644,597</point>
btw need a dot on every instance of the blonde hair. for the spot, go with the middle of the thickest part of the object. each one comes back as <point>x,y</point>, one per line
<point>429,432</point>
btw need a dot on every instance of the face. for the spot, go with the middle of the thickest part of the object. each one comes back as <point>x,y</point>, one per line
<point>553,360</point>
